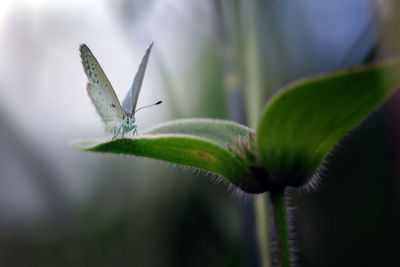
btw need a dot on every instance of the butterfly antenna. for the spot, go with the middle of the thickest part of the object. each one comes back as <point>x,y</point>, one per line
<point>155,104</point>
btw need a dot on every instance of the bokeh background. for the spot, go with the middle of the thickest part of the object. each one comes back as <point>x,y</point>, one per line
<point>213,58</point>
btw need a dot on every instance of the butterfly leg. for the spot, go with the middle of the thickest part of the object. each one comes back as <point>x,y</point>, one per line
<point>117,132</point>
<point>115,135</point>
<point>135,131</point>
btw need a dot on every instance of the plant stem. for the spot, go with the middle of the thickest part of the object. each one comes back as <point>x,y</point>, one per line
<point>281,228</point>
<point>254,90</point>
<point>261,214</point>
<point>229,29</point>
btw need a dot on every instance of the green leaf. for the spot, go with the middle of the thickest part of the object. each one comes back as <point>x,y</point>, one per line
<point>221,132</point>
<point>302,123</point>
<point>199,143</point>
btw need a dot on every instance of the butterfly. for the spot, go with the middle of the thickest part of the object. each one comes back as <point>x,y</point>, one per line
<point>119,119</point>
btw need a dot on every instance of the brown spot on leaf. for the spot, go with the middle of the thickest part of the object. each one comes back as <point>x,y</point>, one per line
<point>203,155</point>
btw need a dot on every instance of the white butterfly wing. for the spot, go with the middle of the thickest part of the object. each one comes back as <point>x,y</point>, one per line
<point>101,92</point>
<point>130,101</point>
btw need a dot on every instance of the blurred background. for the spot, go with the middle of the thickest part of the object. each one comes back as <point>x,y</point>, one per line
<point>213,58</point>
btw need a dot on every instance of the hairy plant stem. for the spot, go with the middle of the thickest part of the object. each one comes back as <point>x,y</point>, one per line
<point>281,228</point>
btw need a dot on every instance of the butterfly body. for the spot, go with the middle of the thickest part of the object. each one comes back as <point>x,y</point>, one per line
<point>119,119</point>
<point>127,125</point>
